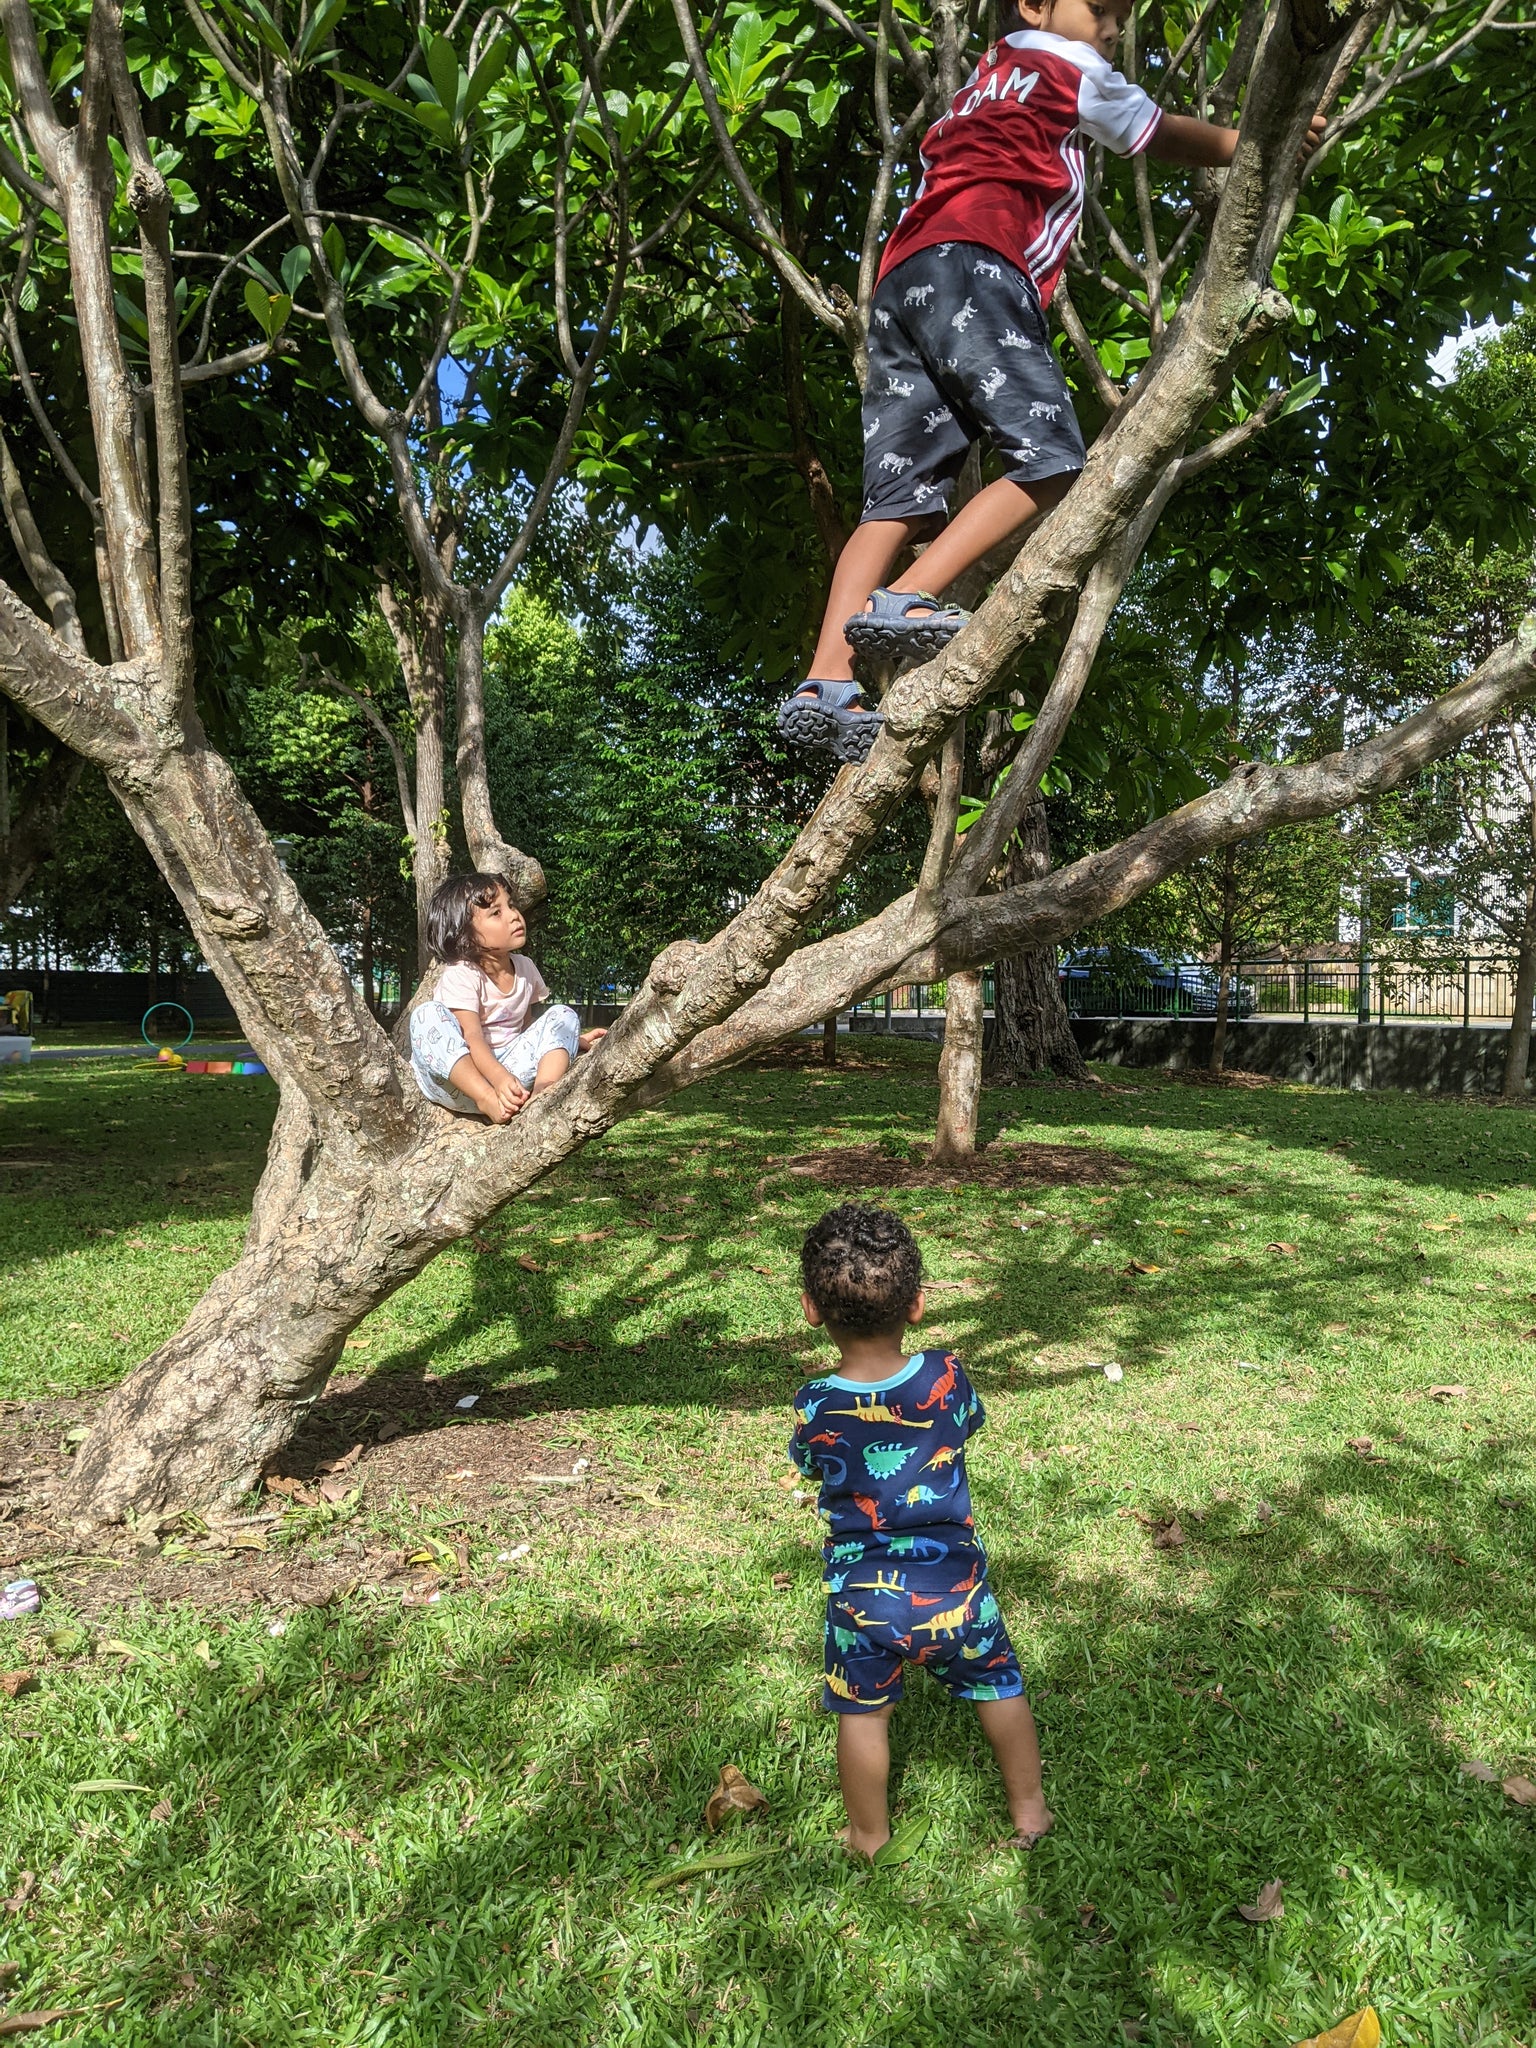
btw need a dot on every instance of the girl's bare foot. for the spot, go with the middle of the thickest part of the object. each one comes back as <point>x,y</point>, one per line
<point>865,1846</point>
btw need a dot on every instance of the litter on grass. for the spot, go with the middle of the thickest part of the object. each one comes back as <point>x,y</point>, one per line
<point>1114,1374</point>
<point>732,1794</point>
<point>468,1401</point>
<point>905,1843</point>
<point>701,1866</point>
<point>20,1597</point>
<point>1362,2029</point>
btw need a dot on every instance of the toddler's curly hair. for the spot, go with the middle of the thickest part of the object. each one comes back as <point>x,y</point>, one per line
<point>862,1268</point>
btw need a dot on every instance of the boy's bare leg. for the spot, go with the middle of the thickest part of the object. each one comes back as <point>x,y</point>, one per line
<point>555,1063</point>
<point>1010,1728</point>
<point>997,514</point>
<point>863,566</point>
<point>863,1771</point>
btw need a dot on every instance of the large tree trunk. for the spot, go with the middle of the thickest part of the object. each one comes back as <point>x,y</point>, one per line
<point>1224,958</point>
<point>1031,1030</point>
<point>1517,1054</point>
<point>959,1070</point>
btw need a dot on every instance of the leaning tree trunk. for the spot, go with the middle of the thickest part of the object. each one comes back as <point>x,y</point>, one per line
<point>1031,1030</point>
<point>1517,1054</point>
<point>365,1181</point>
<point>959,1070</point>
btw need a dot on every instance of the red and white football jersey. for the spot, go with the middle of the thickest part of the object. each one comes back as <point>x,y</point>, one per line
<point>1004,166</point>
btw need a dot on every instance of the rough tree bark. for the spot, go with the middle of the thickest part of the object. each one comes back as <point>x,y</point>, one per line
<point>1517,1053</point>
<point>1031,1032</point>
<point>365,1182</point>
<point>1224,956</point>
<point>959,1070</point>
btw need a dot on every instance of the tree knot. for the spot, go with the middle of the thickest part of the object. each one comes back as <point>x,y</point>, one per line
<point>673,965</point>
<point>232,917</point>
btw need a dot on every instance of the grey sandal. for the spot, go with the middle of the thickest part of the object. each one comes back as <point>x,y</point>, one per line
<point>833,716</point>
<point>903,626</point>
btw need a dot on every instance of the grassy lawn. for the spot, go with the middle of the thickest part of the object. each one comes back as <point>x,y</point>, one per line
<point>401,1823</point>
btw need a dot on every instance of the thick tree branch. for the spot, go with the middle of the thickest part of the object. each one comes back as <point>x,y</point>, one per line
<point>966,931</point>
<point>44,573</point>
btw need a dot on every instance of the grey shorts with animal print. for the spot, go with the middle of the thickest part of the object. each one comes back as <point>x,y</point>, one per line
<point>958,351</point>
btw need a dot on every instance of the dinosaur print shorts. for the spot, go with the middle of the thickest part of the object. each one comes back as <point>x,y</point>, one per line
<point>958,352</point>
<point>880,1620</point>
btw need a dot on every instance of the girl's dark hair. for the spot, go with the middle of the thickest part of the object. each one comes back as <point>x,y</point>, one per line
<point>862,1268</point>
<point>450,933</point>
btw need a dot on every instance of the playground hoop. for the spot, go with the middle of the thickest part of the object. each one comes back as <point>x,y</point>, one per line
<point>144,1022</point>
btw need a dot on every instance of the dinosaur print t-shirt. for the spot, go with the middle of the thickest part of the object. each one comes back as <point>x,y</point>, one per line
<point>890,1456</point>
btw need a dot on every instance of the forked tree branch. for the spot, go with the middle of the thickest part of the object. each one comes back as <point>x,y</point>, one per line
<point>965,931</point>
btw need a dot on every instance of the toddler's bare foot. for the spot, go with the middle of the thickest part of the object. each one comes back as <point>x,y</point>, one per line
<point>862,1845</point>
<point>1032,1822</point>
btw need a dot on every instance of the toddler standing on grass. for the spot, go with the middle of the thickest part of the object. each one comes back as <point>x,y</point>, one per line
<point>906,1575</point>
<point>486,1041</point>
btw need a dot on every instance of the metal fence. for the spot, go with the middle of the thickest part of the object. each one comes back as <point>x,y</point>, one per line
<point>1459,989</point>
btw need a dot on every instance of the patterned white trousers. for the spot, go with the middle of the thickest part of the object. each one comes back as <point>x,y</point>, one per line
<point>437,1046</point>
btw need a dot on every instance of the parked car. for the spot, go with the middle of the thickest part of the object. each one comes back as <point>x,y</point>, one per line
<point>1133,982</point>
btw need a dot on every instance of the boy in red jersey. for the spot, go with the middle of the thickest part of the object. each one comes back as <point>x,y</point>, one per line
<point>958,348</point>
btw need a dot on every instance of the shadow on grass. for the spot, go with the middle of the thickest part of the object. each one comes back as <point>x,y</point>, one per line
<point>449,1820</point>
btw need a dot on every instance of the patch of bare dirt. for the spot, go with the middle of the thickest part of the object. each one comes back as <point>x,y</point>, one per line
<point>378,1460</point>
<point>866,1053</point>
<point>853,1167</point>
<point>1230,1077</point>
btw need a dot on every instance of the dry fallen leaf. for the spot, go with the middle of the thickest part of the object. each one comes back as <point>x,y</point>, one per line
<point>528,1263</point>
<point>26,1884</point>
<point>1169,1536</point>
<point>292,1489</point>
<point>161,1810</point>
<point>1485,1774</point>
<point>782,1582</point>
<point>1362,1444</point>
<point>1448,1393</point>
<point>1336,1329</point>
<point>1279,1246</point>
<point>1140,1266</point>
<point>31,2022</point>
<point>1267,1906</point>
<point>592,1236</point>
<point>334,1490</point>
<point>732,1794</point>
<point>343,1463</point>
<point>1521,1790</point>
<point>663,1238</point>
<point>389,1428</point>
<point>1361,2030</point>
<point>13,1683</point>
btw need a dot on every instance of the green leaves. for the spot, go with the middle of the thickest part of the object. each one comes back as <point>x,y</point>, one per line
<point>705,1866</point>
<point>447,97</point>
<point>269,310</point>
<point>907,1839</point>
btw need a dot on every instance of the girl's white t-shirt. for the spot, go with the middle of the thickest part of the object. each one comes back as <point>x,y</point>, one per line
<point>503,1014</point>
